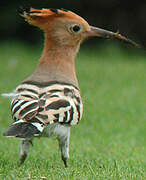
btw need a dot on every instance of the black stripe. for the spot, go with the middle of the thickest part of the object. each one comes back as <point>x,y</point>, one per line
<point>25,89</point>
<point>32,12</point>
<point>55,90</point>
<point>15,119</point>
<point>78,99</point>
<point>54,10</point>
<point>42,116</point>
<point>71,111</point>
<point>27,96</point>
<point>78,110</point>
<point>14,103</point>
<point>28,108</point>
<point>57,116</point>
<point>65,117</point>
<point>29,115</point>
<point>45,84</point>
<point>53,96</point>
<point>18,107</point>
<point>58,104</point>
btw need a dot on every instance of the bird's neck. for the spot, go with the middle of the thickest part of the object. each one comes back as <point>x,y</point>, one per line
<point>57,62</point>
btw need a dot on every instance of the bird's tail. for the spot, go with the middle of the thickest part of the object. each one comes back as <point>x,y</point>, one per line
<point>23,129</point>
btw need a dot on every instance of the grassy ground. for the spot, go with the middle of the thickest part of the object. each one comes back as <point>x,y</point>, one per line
<point>109,142</point>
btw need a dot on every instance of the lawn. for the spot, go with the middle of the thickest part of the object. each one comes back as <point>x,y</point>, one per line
<point>109,143</point>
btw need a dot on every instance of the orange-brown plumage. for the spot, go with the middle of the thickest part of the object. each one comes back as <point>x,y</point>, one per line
<point>61,45</point>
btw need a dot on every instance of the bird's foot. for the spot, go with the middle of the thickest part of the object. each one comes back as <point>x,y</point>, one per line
<point>22,159</point>
<point>64,161</point>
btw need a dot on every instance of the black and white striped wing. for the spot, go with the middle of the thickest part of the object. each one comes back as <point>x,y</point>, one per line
<point>54,103</point>
<point>25,105</point>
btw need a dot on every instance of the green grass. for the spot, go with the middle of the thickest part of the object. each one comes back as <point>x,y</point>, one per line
<point>109,143</point>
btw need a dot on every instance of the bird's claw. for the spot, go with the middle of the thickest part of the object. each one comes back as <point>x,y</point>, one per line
<point>65,161</point>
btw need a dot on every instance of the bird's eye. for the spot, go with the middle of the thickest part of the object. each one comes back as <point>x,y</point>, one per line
<point>75,29</point>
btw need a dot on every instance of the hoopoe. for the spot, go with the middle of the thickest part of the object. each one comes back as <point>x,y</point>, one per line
<point>48,102</point>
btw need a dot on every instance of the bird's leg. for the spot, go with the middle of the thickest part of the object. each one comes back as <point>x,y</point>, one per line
<point>64,147</point>
<point>25,144</point>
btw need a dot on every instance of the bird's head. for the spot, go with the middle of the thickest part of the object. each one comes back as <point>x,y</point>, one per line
<point>67,28</point>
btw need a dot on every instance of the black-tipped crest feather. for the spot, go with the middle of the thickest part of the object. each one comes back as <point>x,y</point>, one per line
<point>22,9</point>
<point>54,10</point>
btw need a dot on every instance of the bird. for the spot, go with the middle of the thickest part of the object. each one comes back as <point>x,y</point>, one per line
<point>48,102</point>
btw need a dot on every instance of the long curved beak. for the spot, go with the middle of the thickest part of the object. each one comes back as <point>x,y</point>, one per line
<point>110,35</point>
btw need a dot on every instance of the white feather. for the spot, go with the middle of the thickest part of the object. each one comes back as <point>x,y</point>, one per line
<point>38,126</point>
<point>20,121</point>
<point>9,95</point>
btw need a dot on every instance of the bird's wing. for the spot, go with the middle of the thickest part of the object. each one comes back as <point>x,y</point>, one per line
<point>56,103</point>
<point>25,104</point>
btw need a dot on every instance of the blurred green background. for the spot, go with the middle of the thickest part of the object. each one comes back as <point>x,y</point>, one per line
<point>126,16</point>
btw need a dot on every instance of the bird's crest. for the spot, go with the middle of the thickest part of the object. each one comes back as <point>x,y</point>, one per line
<point>34,15</point>
<point>42,17</point>
<point>46,12</point>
